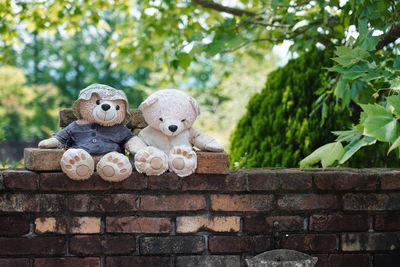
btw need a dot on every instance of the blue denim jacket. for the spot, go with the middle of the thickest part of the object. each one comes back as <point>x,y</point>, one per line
<point>94,138</point>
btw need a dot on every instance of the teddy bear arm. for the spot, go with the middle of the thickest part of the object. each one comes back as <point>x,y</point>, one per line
<point>135,144</point>
<point>204,141</point>
<point>51,142</point>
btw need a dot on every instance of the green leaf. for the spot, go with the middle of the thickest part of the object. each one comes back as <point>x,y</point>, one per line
<point>347,136</point>
<point>355,145</point>
<point>328,154</point>
<point>395,145</point>
<point>394,101</point>
<point>395,84</point>
<point>184,60</point>
<point>348,57</point>
<point>380,123</point>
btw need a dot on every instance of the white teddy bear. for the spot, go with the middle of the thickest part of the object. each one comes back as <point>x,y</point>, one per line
<point>167,142</point>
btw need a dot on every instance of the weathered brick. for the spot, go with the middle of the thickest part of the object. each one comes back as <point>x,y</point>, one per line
<point>272,180</point>
<point>14,225</point>
<point>370,241</point>
<point>172,202</point>
<point>212,162</point>
<point>67,262</point>
<point>309,242</point>
<point>306,202</point>
<point>19,180</point>
<point>75,225</point>
<point>32,203</point>
<point>387,222</point>
<point>262,224</point>
<point>387,259</point>
<point>238,244</point>
<point>390,179</point>
<point>101,203</point>
<point>208,261</point>
<point>138,261</point>
<point>97,245</point>
<point>58,181</point>
<point>232,182</point>
<point>371,202</point>
<point>167,181</point>
<point>345,180</point>
<point>134,224</point>
<point>48,245</point>
<point>339,222</point>
<point>342,260</point>
<point>172,245</point>
<point>193,224</point>
<point>241,202</point>
<point>14,262</point>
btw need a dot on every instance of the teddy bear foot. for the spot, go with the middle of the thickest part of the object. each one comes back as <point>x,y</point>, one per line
<point>151,161</point>
<point>114,167</point>
<point>77,164</point>
<point>182,160</point>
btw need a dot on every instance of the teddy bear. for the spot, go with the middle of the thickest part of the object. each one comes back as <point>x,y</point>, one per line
<point>99,134</point>
<point>168,140</point>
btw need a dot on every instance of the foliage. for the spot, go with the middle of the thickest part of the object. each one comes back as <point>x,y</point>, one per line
<point>282,124</point>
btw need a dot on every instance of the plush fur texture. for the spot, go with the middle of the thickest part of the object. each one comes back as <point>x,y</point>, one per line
<point>106,111</point>
<point>170,115</point>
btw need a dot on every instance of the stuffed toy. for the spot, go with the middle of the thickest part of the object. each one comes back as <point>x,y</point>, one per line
<point>168,140</point>
<point>98,134</point>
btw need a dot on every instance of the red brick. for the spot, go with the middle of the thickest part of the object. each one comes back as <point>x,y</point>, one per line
<point>345,180</point>
<point>339,222</point>
<point>193,224</point>
<point>241,202</point>
<point>172,245</point>
<point>32,203</point>
<point>58,181</point>
<point>238,244</point>
<point>387,222</point>
<point>67,262</point>
<point>167,181</point>
<point>342,260</point>
<point>370,241</point>
<point>235,181</point>
<point>32,246</point>
<point>172,202</point>
<point>306,202</point>
<point>62,225</point>
<point>390,179</point>
<point>14,262</point>
<point>14,225</point>
<point>272,180</point>
<point>371,202</point>
<point>387,259</point>
<point>262,224</point>
<point>309,242</point>
<point>133,224</point>
<point>102,203</point>
<point>19,180</point>
<point>138,261</point>
<point>97,245</point>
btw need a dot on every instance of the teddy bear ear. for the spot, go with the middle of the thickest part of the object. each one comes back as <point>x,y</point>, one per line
<point>148,102</point>
<point>195,106</point>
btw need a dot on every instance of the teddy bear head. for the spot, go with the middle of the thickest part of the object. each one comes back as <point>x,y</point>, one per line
<point>102,104</point>
<point>170,111</point>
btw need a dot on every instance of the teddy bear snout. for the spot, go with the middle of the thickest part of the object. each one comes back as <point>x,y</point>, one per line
<point>173,128</point>
<point>105,107</point>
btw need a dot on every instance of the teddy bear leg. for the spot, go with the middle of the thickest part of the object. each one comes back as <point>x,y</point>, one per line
<point>114,167</point>
<point>151,161</point>
<point>77,164</point>
<point>182,160</point>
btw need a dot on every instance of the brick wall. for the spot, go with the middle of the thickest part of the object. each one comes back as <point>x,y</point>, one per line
<point>345,217</point>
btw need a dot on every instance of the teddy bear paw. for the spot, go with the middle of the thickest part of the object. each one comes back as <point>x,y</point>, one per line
<point>114,167</point>
<point>182,160</point>
<point>151,161</point>
<point>77,164</point>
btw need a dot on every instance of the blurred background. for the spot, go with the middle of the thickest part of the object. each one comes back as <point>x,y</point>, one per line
<point>225,53</point>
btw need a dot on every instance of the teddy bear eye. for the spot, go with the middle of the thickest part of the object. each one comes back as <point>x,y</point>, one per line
<point>161,119</point>
<point>117,107</point>
<point>98,101</point>
<point>183,120</point>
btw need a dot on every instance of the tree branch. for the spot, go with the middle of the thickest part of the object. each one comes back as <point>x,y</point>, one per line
<point>392,35</point>
<point>221,8</point>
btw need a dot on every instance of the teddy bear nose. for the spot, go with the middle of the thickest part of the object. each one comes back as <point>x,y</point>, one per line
<point>105,107</point>
<point>172,128</point>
